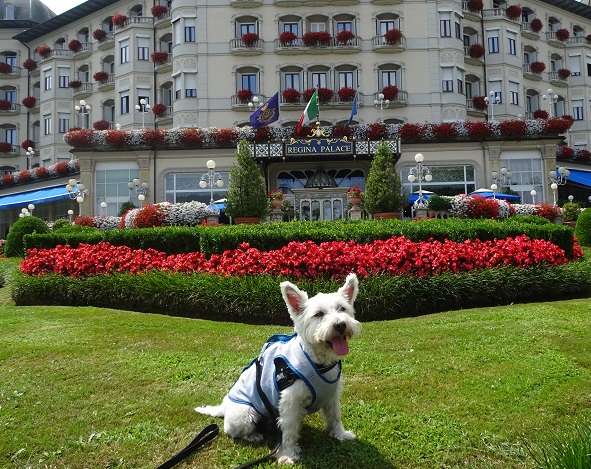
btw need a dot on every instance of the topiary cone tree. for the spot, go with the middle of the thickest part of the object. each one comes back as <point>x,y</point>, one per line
<point>246,196</point>
<point>383,189</point>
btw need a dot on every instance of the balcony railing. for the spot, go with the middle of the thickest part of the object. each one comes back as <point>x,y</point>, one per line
<point>167,113</point>
<point>14,107</point>
<point>236,45</point>
<point>14,72</point>
<point>85,50</point>
<point>379,42</point>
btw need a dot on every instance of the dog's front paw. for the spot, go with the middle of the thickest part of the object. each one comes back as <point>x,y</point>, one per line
<point>342,435</point>
<point>288,456</point>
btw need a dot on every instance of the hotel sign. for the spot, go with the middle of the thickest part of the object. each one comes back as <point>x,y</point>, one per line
<point>318,146</point>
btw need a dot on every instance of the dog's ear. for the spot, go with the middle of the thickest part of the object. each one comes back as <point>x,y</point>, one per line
<point>295,299</point>
<point>350,288</point>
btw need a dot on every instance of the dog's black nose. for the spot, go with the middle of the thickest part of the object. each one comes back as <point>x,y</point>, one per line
<point>340,327</point>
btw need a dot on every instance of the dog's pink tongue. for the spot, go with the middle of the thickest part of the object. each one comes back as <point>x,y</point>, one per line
<point>340,345</point>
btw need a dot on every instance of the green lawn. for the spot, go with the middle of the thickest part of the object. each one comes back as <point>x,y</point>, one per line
<point>98,388</point>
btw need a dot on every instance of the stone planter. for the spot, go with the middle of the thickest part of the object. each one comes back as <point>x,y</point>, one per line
<point>247,220</point>
<point>355,201</point>
<point>387,215</point>
<point>276,204</point>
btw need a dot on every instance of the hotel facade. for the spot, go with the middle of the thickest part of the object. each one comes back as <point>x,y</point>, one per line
<point>190,63</point>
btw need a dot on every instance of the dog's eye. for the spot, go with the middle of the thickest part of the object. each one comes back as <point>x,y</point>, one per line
<point>319,314</point>
<point>342,309</point>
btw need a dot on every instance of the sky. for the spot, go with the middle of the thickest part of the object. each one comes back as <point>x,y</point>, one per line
<point>59,6</point>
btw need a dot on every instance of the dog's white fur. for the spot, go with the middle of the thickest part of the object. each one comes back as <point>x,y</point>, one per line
<point>317,321</point>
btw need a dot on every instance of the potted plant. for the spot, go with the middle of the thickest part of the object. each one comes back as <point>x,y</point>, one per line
<point>393,36</point>
<point>563,73</point>
<point>541,114</point>
<point>246,196</point>
<point>479,103</point>
<point>476,51</point>
<point>345,37</point>
<point>25,145</point>
<point>244,96</point>
<point>250,39</point>
<point>5,68</point>
<point>287,38</point>
<point>513,12</point>
<point>5,147</point>
<point>390,92</point>
<point>324,94</point>
<point>158,11</point>
<point>291,95</point>
<point>5,105</point>
<point>354,194</point>
<point>159,57</point>
<point>75,84</point>
<point>159,110</point>
<point>383,190</point>
<point>537,67</point>
<point>100,125</point>
<point>536,25</point>
<point>99,34</point>
<point>101,77</point>
<point>562,34</point>
<point>119,20</point>
<point>29,102</point>
<point>75,45</point>
<point>570,213</point>
<point>276,198</point>
<point>43,51</point>
<point>30,65</point>
<point>475,6</point>
<point>320,38</point>
<point>346,93</point>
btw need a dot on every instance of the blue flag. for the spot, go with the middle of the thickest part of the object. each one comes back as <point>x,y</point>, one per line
<point>266,114</point>
<point>354,110</point>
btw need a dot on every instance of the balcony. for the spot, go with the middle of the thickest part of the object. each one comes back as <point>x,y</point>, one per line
<point>472,110</point>
<point>163,21</point>
<point>165,118</point>
<point>109,41</point>
<point>577,41</point>
<point>142,21</point>
<point>528,33</point>
<point>552,40</point>
<point>401,100</point>
<point>470,15</point>
<point>86,51</point>
<point>8,108</point>
<point>55,53</point>
<point>239,105</point>
<point>107,85</point>
<point>8,149</point>
<point>556,80</point>
<point>382,46</point>
<point>15,72</point>
<point>387,2</point>
<point>82,91</point>
<point>237,47</point>
<point>529,74</point>
<point>469,51</point>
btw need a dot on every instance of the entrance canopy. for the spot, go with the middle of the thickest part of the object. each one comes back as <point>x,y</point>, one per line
<point>38,196</point>
<point>412,198</point>
<point>580,177</point>
<point>488,194</point>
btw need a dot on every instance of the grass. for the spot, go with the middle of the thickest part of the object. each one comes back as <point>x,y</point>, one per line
<point>478,388</point>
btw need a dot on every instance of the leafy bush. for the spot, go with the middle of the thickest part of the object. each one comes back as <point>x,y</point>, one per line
<point>383,189</point>
<point>15,244</point>
<point>583,228</point>
<point>570,211</point>
<point>60,224</point>
<point>438,203</point>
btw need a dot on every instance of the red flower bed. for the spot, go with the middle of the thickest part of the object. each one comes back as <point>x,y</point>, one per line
<point>546,211</point>
<point>224,137</point>
<point>514,12</point>
<point>24,176</point>
<point>42,173</point>
<point>5,105</point>
<point>444,131</point>
<point>410,131</point>
<point>100,125</point>
<point>75,84</point>
<point>158,11</point>
<point>537,67</point>
<point>393,36</point>
<point>536,25</point>
<point>320,38</point>
<point>99,34</point>
<point>149,216</point>
<point>341,131</point>
<point>324,94</point>
<point>153,137</point>
<point>563,73</point>
<point>62,169</point>
<point>7,180</point>
<point>5,147</point>
<point>557,125</point>
<point>376,131</point>
<point>478,130</point>
<point>83,220</point>
<point>244,95</point>
<point>117,138</point>
<point>510,128</point>
<point>29,102</point>
<point>480,207</point>
<point>30,65</point>
<point>191,137</point>
<point>262,134</point>
<point>334,259</point>
<point>119,20</point>
<point>79,138</point>
<point>346,93</point>
<point>27,144</point>
<point>43,51</point>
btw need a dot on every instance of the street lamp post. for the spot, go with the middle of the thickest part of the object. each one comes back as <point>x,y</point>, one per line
<point>210,179</point>
<point>141,190</point>
<point>254,104</point>
<point>553,98</point>
<point>83,110</point>
<point>557,178</point>
<point>420,173</point>
<point>501,178</point>
<point>491,101</point>
<point>533,196</point>
<point>142,108</point>
<point>31,207</point>
<point>77,191</point>
<point>493,188</point>
<point>382,104</point>
<point>104,207</point>
<point>70,214</point>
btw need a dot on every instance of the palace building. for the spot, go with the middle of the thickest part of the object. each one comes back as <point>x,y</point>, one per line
<point>109,64</point>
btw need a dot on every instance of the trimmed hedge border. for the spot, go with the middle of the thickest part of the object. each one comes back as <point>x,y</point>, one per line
<point>257,299</point>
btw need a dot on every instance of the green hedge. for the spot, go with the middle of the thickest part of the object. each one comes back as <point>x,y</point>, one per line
<point>257,299</point>
<point>268,236</point>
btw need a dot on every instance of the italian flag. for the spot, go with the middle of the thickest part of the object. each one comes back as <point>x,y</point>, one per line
<point>310,112</point>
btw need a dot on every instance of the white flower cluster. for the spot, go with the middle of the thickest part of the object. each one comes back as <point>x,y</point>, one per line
<point>181,214</point>
<point>504,209</point>
<point>103,222</point>
<point>534,126</point>
<point>459,206</point>
<point>525,209</point>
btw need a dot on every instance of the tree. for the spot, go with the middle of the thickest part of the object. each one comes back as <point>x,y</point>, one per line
<point>246,196</point>
<point>383,190</point>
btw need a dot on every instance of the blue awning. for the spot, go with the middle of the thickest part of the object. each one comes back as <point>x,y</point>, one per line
<point>38,196</point>
<point>580,177</point>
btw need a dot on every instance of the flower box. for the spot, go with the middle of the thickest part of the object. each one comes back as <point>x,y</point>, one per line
<point>476,51</point>
<point>536,25</point>
<point>7,179</point>
<point>390,92</point>
<point>562,34</point>
<point>159,110</point>
<point>291,95</point>
<point>324,94</point>
<point>537,67</point>
<point>28,144</point>
<point>29,102</point>
<point>345,37</point>
<point>479,103</point>
<point>244,96</point>
<point>475,6</point>
<point>119,20</point>
<point>5,68</point>
<point>158,11</point>
<point>250,39</point>
<point>541,114</point>
<point>346,93</point>
<point>563,73</point>
<point>101,77</point>
<point>513,12</point>
<point>5,147</point>
<point>354,191</point>
<point>159,57</point>
<point>393,36</point>
<point>30,65</point>
<point>75,84</point>
<point>43,51</point>
<point>75,45</point>
<point>99,34</point>
<point>317,39</point>
<point>287,38</point>
<point>100,125</point>
<point>5,105</point>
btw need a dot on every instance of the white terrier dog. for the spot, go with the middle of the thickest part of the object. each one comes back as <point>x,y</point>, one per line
<point>296,375</point>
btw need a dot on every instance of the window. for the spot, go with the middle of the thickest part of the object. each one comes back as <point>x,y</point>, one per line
<point>514,93</point>
<point>458,29</point>
<point>249,82</point>
<point>575,65</point>
<point>177,87</point>
<point>292,27</point>
<point>445,25</point>
<point>10,96</point>
<point>460,81</point>
<point>317,27</point>
<point>578,109</point>
<point>246,28</point>
<point>386,25</point>
<point>10,59</point>
<point>447,180</point>
<point>176,31</point>
<point>589,66</point>
<point>9,11</point>
<point>190,85</point>
<point>389,78</point>
<point>63,122</point>
<point>124,103</point>
<point>292,80</point>
<point>124,50</point>
<point>63,77</point>
<point>344,26</point>
<point>184,187</point>
<point>47,124</point>
<point>318,80</point>
<point>47,80</point>
<point>511,49</point>
<point>447,83</point>
<point>346,80</point>
<point>189,29</point>
<point>10,135</point>
<point>143,48</point>
<point>493,42</point>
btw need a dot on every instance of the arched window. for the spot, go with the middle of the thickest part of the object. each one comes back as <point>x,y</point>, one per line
<point>9,11</point>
